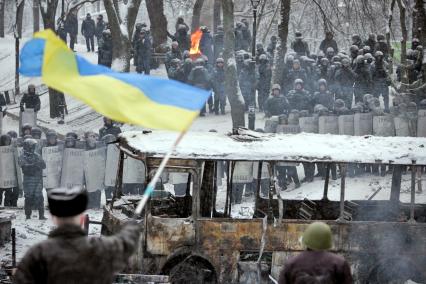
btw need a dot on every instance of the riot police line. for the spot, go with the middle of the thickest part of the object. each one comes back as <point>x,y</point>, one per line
<point>90,162</point>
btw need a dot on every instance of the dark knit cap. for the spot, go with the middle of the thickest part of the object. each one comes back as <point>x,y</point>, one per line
<point>64,202</point>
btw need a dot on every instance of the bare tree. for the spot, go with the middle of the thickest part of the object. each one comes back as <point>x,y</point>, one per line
<point>196,14</point>
<point>20,4</point>
<point>2,4</point>
<point>48,12</point>
<point>158,21</point>
<point>283,34</point>
<point>121,31</point>
<point>36,16</point>
<point>402,19</point>
<point>419,21</point>
<point>231,79</point>
<point>216,15</point>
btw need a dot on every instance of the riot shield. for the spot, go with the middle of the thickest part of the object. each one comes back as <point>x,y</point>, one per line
<point>288,129</point>
<point>308,124</point>
<point>52,156</point>
<point>72,168</point>
<point>133,171</point>
<point>402,128</point>
<point>328,125</point>
<point>383,126</point>
<point>94,169</point>
<point>271,124</point>
<point>28,116</point>
<point>19,175</point>
<point>111,167</point>
<point>363,124</point>
<point>346,124</point>
<point>421,123</point>
<point>243,172</point>
<point>7,167</point>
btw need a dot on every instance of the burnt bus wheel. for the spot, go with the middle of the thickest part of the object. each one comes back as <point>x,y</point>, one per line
<point>192,270</point>
<point>395,270</point>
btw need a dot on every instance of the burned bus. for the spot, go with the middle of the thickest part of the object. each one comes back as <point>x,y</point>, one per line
<point>199,233</point>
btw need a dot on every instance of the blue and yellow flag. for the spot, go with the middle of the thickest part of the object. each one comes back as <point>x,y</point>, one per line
<point>125,97</point>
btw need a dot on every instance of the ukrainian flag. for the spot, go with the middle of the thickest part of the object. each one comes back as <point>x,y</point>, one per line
<point>147,101</point>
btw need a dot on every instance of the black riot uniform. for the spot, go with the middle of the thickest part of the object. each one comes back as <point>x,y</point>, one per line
<point>32,168</point>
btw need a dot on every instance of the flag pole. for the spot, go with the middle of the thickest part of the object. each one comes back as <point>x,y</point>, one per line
<point>151,186</point>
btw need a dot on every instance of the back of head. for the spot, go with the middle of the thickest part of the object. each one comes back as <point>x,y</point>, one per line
<point>65,202</point>
<point>317,236</point>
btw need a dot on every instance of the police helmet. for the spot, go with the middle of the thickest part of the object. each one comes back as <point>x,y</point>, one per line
<point>346,62</point>
<point>200,61</point>
<point>378,54</point>
<point>220,60</point>
<point>5,140</point>
<point>367,98</point>
<point>318,236</point>
<point>298,81</point>
<point>360,59</point>
<point>322,82</point>
<point>263,57</point>
<point>353,49</point>
<point>324,61</point>
<point>380,37</point>
<point>12,134</point>
<point>330,50</point>
<point>51,133</point>
<point>72,134</point>
<point>29,145</point>
<point>25,127</point>
<point>276,87</point>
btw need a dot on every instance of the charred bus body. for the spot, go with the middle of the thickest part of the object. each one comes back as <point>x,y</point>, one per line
<point>195,237</point>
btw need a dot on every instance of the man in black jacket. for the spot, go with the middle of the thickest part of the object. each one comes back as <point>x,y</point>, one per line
<point>71,27</point>
<point>30,100</point>
<point>69,256</point>
<point>88,31</point>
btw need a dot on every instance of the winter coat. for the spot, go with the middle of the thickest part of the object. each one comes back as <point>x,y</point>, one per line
<point>383,47</point>
<point>247,79</point>
<point>199,77</point>
<point>323,98</point>
<point>316,267</point>
<point>371,44</point>
<point>170,55</point>
<point>246,42</point>
<point>264,77</point>
<point>143,50</point>
<point>300,100</point>
<point>114,130</point>
<point>218,81</point>
<point>326,43</point>
<point>105,52</point>
<point>380,75</point>
<point>176,73</point>
<point>32,167</point>
<point>345,77</point>
<point>276,105</point>
<point>30,101</point>
<point>206,46</point>
<point>69,256</point>
<point>300,47</point>
<point>363,80</point>
<point>71,24</point>
<point>100,27</point>
<point>88,28</point>
<point>184,40</point>
<point>239,45</point>
<point>297,74</point>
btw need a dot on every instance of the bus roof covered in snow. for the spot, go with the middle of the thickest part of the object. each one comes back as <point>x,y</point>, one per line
<point>253,146</point>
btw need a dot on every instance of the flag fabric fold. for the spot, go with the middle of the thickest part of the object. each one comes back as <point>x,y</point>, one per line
<point>132,98</point>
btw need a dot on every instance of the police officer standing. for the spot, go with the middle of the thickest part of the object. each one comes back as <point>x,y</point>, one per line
<point>276,104</point>
<point>30,100</point>
<point>32,168</point>
<point>69,256</point>
<point>143,50</point>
